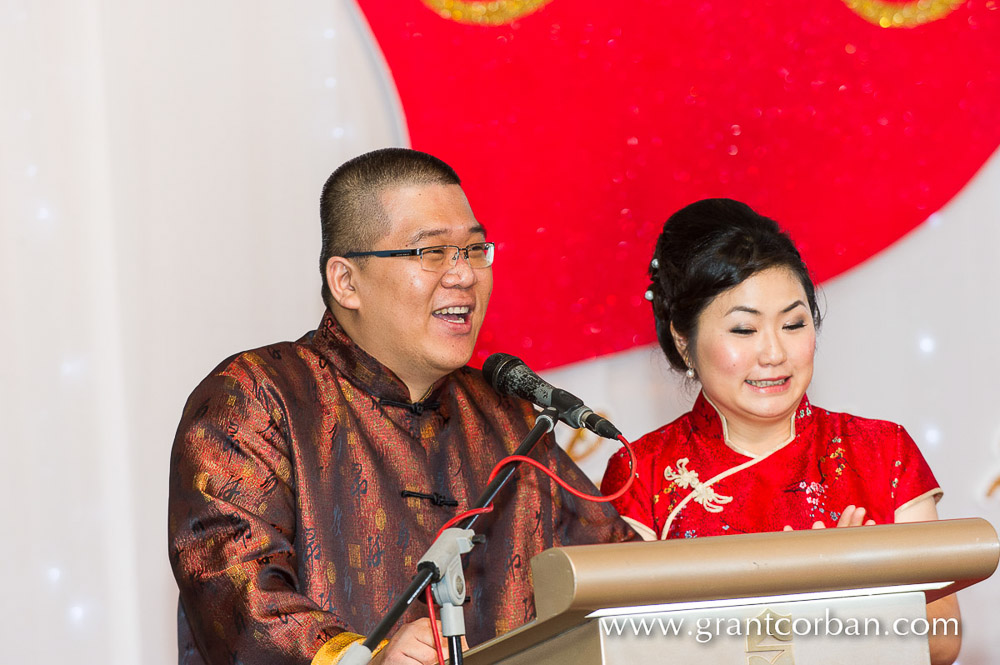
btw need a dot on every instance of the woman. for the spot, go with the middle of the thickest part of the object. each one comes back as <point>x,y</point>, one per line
<point>736,310</point>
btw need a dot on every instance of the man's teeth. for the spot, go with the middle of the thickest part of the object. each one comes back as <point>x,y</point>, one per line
<point>453,310</point>
<point>766,384</point>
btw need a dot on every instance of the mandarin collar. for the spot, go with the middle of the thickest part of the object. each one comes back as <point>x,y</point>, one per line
<point>706,421</point>
<point>360,368</point>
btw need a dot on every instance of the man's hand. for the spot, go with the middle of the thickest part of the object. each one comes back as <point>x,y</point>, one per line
<point>413,643</point>
<point>852,516</point>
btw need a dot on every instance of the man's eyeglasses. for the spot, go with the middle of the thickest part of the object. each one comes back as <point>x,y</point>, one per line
<point>440,257</point>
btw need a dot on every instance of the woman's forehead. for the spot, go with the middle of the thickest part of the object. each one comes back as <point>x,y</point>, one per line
<point>770,291</point>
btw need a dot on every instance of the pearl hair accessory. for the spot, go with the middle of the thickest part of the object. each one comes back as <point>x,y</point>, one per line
<point>649,294</point>
<point>654,264</point>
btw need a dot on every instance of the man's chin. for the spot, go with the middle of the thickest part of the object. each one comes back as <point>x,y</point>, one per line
<point>453,360</point>
<point>452,346</point>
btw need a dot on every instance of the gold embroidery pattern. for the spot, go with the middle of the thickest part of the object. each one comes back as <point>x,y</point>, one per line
<point>334,649</point>
<point>703,494</point>
<point>497,12</point>
<point>837,457</point>
<point>902,14</point>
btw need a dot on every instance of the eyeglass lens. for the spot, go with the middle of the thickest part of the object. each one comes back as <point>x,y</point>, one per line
<point>479,255</point>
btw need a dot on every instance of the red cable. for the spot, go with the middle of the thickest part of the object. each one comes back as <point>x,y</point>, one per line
<point>434,630</point>
<point>468,513</point>
<point>562,483</point>
<point>430,595</point>
<point>489,508</point>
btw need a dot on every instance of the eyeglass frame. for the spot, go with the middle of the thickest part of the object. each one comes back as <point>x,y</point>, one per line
<point>418,252</point>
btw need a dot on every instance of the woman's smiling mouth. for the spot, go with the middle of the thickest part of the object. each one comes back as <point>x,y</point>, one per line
<point>768,383</point>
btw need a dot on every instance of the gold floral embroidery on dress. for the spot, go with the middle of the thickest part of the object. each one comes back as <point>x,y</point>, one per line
<point>497,12</point>
<point>703,494</point>
<point>837,458</point>
<point>902,14</point>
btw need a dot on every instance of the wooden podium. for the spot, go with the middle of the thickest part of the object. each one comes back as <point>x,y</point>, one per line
<point>821,597</point>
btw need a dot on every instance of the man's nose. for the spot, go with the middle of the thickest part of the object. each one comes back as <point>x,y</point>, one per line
<point>461,272</point>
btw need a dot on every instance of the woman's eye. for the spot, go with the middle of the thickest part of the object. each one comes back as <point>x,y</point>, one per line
<point>742,331</point>
<point>796,326</point>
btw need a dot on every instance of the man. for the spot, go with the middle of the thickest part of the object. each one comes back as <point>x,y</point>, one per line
<point>290,535</point>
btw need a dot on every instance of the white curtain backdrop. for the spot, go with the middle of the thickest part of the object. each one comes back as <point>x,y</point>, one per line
<point>160,166</point>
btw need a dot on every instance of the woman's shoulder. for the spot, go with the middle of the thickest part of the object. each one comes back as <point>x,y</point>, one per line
<point>651,449</point>
<point>665,436</point>
<point>849,424</point>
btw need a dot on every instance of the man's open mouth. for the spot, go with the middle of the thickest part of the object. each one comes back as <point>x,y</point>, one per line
<point>453,314</point>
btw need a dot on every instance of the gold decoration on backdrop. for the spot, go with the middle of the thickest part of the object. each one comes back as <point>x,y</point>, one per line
<point>902,14</point>
<point>583,443</point>
<point>993,488</point>
<point>497,12</point>
<point>883,13</point>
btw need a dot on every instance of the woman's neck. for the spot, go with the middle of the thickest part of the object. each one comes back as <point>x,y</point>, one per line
<point>756,439</point>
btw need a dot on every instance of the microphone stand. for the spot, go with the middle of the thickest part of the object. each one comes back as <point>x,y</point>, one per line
<point>441,565</point>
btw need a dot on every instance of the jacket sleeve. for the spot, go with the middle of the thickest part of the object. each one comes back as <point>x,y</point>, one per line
<point>231,531</point>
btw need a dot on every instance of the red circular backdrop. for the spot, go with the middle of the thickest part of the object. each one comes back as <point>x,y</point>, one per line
<point>579,127</point>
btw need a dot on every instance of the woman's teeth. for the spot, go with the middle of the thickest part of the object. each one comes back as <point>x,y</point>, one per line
<point>767,384</point>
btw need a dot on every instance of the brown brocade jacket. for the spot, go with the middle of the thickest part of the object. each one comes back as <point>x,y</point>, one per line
<point>287,531</point>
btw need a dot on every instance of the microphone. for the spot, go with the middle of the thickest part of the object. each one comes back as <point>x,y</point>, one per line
<point>510,376</point>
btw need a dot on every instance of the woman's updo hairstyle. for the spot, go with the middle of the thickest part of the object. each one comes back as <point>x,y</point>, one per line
<point>709,247</point>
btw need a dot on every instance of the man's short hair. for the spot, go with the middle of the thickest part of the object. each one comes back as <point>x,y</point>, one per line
<point>350,208</point>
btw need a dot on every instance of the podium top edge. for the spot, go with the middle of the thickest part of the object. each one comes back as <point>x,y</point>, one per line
<point>584,577</point>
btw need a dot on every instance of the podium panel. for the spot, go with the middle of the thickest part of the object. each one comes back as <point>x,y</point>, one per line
<point>888,629</point>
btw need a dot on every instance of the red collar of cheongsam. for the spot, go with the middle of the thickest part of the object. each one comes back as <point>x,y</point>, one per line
<point>362,369</point>
<point>707,422</point>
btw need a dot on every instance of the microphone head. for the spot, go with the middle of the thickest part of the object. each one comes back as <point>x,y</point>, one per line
<point>497,366</point>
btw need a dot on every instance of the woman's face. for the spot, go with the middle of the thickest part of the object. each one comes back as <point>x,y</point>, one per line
<point>754,349</point>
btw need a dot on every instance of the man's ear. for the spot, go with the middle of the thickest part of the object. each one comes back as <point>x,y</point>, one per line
<point>341,278</point>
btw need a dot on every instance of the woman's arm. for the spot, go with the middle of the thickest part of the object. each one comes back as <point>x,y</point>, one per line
<point>943,614</point>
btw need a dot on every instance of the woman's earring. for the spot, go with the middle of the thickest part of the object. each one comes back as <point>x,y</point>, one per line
<point>690,372</point>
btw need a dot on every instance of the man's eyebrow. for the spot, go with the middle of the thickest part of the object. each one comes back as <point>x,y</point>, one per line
<point>751,310</point>
<point>436,233</point>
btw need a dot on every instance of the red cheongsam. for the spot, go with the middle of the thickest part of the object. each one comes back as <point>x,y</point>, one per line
<point>692,482</point>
